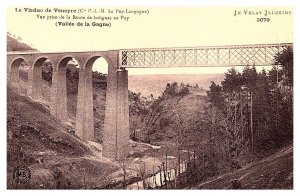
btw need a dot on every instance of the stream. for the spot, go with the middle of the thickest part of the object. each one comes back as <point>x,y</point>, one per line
<point>154,180</point>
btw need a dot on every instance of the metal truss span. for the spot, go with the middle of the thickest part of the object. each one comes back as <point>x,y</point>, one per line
<point>232,55</point>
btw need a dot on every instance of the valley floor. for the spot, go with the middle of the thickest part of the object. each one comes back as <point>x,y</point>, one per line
<point>58,159</point>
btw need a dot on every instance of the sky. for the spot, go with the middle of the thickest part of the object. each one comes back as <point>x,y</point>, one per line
<point>162,27</point>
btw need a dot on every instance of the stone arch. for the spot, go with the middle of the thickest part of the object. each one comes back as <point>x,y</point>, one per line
<point>14,71</point>
<point>91,60</point>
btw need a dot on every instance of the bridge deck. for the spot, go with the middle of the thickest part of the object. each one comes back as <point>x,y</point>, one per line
<point>206,56</point>
<point>232,55</point>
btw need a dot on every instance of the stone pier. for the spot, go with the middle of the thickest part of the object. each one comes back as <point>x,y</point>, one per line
<point>116,126</point>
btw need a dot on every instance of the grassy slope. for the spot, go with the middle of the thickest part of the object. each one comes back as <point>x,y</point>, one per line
<point>273,172</point>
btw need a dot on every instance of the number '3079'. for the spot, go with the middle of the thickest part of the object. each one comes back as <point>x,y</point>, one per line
<point>262,19</point>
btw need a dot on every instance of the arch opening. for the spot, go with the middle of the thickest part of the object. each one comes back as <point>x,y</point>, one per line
<point>19,72</point>
<point>47,74</point>
<point>41,82</point>
<point>47,71</point>
<point>97,68</point>
<point>23,77</point>
<point>67,80</point>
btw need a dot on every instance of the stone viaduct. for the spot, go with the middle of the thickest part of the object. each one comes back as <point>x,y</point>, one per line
<point>116,124</point>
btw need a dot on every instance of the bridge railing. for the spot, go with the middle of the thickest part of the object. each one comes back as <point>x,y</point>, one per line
<point>234,55</point>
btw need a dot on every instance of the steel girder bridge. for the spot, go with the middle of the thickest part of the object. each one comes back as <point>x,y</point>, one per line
<point>210,56</point>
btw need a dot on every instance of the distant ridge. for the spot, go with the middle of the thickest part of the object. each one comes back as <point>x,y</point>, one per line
<point>155,84</point>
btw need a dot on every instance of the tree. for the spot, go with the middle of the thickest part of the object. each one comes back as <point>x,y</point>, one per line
<point>215,95</point>
<point>171,90</point>
<point>233,81</point>
<point>183,91</point>
<point>263,113</point>
<point>285,60</point>
<point>284,95</point>
<point>249,78</point>
<point>275,76</point>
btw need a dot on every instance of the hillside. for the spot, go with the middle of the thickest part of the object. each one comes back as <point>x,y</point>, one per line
<point>72,90</point>
<point>167,115</point>
<point>38,141</point>
<point>273,172</point>
<point>57,158</point>
<point>16,44</point>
